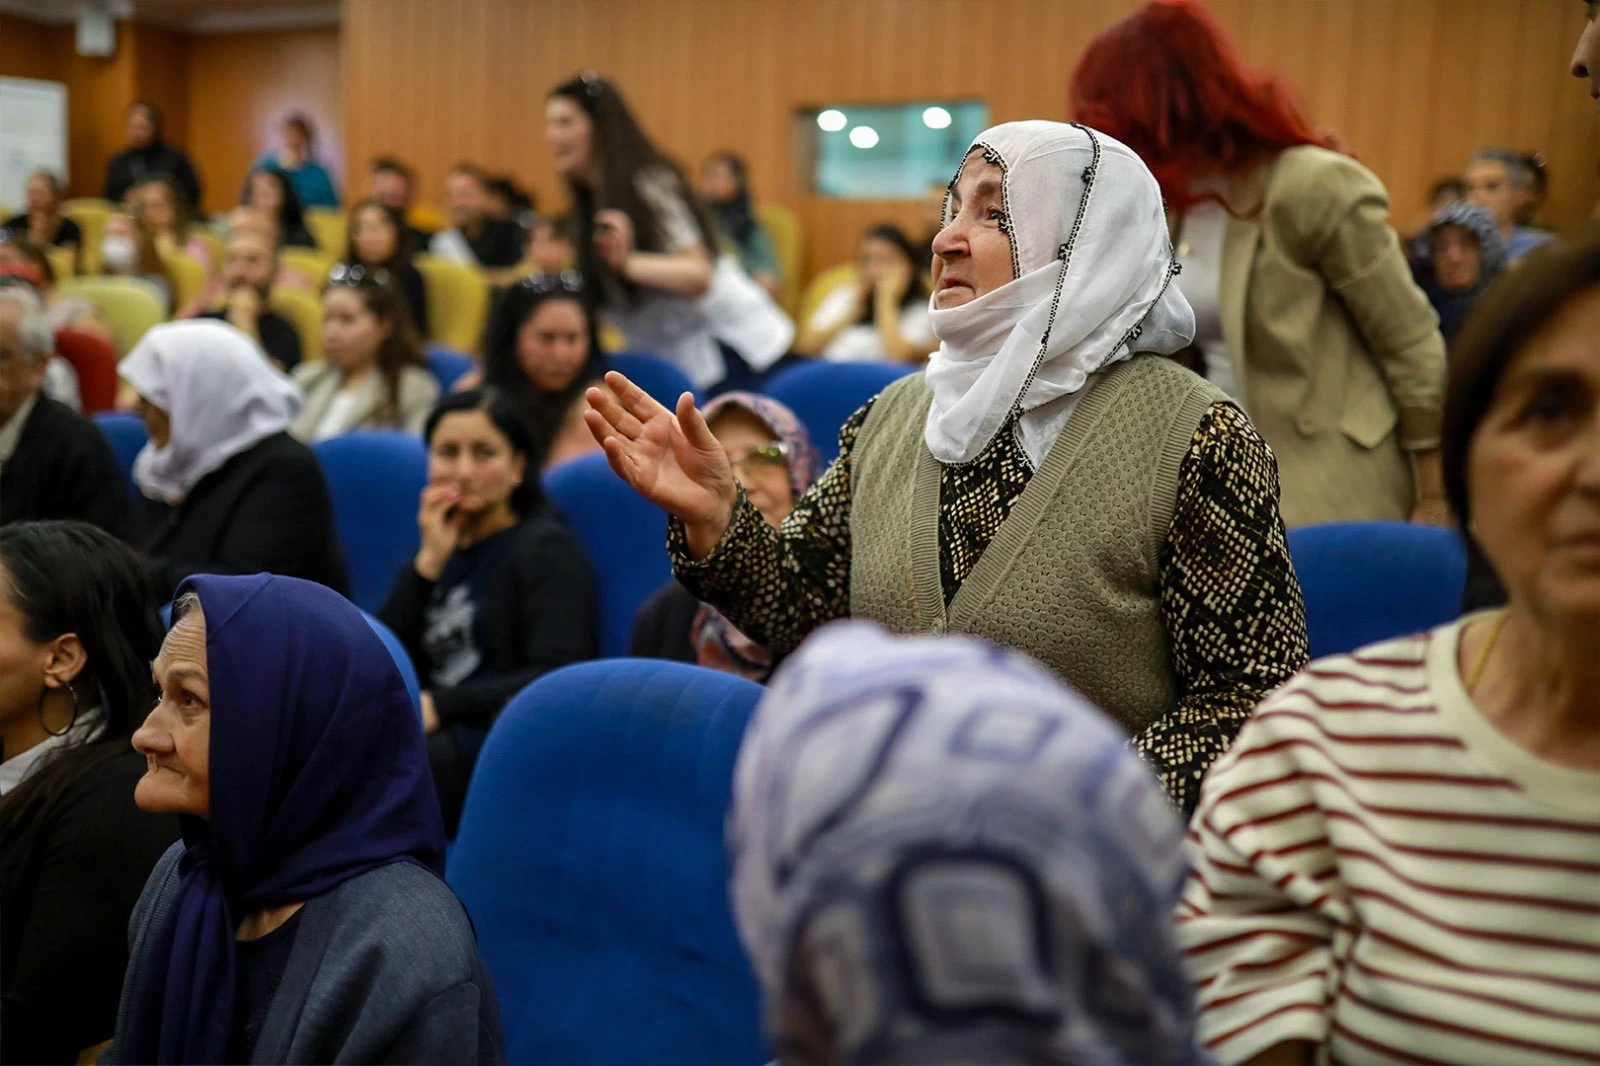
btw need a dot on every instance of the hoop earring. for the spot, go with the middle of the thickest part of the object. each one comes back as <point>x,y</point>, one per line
<point>70,722</point>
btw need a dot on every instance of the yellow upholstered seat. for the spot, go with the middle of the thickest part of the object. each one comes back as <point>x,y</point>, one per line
<point>458,302</point>
<point>129,306</point>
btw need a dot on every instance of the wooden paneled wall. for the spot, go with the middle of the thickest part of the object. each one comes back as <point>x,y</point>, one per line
<point>1412,85</point>
<point>222,94</point>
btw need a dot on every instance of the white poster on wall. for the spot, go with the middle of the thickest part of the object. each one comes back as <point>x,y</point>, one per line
<point>33,134</point>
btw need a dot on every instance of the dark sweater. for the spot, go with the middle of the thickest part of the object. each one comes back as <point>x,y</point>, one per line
<point>522,602</point>
<point>662,628</point>
<point>63,468</point>
<point>131,166</point>
<point>384,969</point>
<point>68,891</point>
<point>265,510</point>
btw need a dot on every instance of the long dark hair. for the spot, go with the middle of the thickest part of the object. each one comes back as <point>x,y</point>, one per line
<point>544,409</point>
<point>70,577</point>
<point>917,287</point>
<point>400,348</point>
<point>402,238</point>
<point>735,215</point>
<point>506,414</point>
<point>621,151</point>
<point>291,215</point>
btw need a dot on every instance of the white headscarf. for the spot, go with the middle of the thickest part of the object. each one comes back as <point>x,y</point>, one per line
<point>1093,266</point>
<point>220,393</point>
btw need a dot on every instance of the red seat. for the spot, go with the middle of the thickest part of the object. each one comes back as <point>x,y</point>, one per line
<point>96,364</point>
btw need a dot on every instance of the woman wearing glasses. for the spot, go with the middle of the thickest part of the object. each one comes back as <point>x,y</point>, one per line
<point>771,454</point>
<point>540,348</point>
<point>378,241</point>
<point>374,376</point>
<point>500,591</point>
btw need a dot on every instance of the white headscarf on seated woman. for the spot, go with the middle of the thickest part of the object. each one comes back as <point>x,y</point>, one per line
<point>220,393</point>
<point>1093,277</point>
<point>942,855</point>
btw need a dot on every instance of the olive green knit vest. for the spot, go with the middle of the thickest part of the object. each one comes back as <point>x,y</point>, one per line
<point>1071,576</point>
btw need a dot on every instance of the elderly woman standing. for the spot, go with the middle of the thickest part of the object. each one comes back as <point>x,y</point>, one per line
<point>1050,483</point>
<point>943,856</point>
<point>1401,851</point>
<point>304,916</point>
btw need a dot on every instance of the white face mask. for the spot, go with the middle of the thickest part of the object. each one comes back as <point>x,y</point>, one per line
<point>118,254</point>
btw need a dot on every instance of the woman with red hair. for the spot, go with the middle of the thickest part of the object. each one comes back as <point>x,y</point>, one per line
<point>1304,305</point>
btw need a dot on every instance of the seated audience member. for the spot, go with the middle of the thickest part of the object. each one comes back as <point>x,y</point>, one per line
<point>1444,192</point>
<point>549,246</point>
<point>378,241</point>
<point>508,200</point>
<point>474,237</point>
<point>79,623</point>
<point>649,247</point>
<point>725,186</point>
<point>771,453</point>
<point>43,223</point>
<point>249,266</point>
<point>391,183</point>
<point>296,160</point>
<point>21,257</point>
<point>304,917</point>
<point>148,156</point>
<point>884,316</point>
<point>160,206</point>
<point>943,855</point>
<point>1398,855</point>
<point>231,491</point>
<point>1336,355</point>
<point>69,346</point>
<point>1501,181</point>
<point>53,463</point>
<point>374,375</point>
<point>268,190</point>
<point>1533,200</point>
<point>541,349</point>
<point>128,250</point>
<point>500,591</point>
<point>1465,255</point>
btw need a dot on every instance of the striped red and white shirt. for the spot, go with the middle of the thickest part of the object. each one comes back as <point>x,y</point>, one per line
<point>1381,872</point>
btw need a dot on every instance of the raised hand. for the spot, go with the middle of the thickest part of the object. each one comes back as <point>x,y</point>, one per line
<point>439,522</point>
<point>669,458</point>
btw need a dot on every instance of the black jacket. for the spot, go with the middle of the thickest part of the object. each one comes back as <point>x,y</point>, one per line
<point>539,614</point>
<point>131,166</point>
<point>63,468</point>
<point>265,510</point>
<point>69,887</point>
<point>662,628</point>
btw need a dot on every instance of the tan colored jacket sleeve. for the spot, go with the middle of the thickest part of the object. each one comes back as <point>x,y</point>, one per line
<point>1343,230</point>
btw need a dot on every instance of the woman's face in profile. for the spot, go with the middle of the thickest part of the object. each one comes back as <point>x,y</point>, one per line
<point>375,238</point>
<point>570,134</point>
<point>972,253</point>
<point>176,736</point>
<point>1535,465</point>
<point>553,344</point>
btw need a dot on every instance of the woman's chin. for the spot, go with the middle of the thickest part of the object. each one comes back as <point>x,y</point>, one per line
<point>954,296</point>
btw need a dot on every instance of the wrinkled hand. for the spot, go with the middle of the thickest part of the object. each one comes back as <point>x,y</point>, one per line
<point>613,237</point>
<point>669,458</point>
<point>439,523</point>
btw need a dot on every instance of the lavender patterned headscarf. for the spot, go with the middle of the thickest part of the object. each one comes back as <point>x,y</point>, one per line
<point>943,855</point>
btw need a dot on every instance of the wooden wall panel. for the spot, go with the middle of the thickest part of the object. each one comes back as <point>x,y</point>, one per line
<point>1411,85</point>
<point>241,85</point>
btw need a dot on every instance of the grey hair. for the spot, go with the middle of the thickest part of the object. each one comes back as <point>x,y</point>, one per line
<point>34,329</point>
<point>189,601</point>
<point>1518,171</point>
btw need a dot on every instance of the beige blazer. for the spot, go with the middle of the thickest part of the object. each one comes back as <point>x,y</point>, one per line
<point>1336,349</point>
<point>320,381</point>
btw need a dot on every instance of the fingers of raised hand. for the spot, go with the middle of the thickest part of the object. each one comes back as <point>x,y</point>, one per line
<point>620,419</point>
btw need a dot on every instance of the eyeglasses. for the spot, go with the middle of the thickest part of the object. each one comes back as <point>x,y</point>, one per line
<point>591,82</point>
<point>766,457</point>
<point>356,274</point>
<point>568,281</point>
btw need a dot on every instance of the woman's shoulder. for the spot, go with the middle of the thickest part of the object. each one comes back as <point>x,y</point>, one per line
<point>1316,185</point>
<point>418,381</point>
<point>543,532</point>
<point>408,912</point>
<point>311,374</point>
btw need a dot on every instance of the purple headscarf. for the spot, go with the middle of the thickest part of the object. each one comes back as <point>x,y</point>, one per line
<point>717,643</point>
<point>318,773</point>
